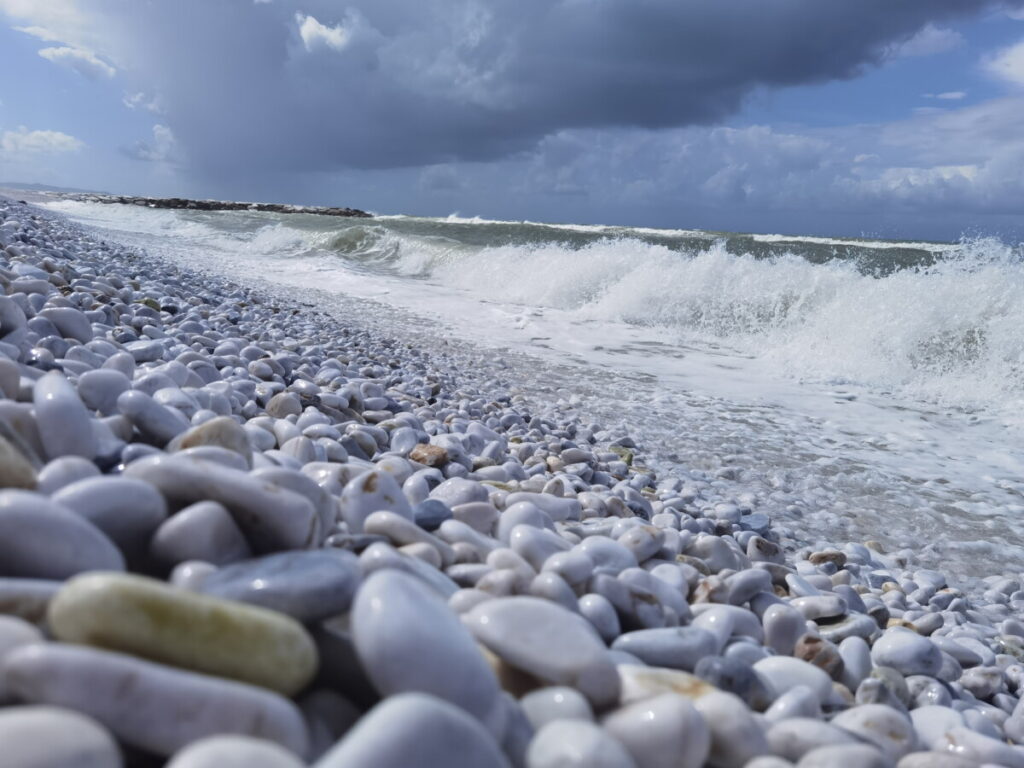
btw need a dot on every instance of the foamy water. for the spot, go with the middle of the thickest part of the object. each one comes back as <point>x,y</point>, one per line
<point>859,389</point>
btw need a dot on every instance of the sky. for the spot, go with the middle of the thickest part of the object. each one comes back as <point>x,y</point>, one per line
<point>868,117</point>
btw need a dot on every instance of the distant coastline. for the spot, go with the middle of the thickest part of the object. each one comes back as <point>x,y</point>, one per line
<point>182,203</point>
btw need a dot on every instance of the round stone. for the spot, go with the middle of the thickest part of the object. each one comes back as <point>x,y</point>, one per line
<point>576,744</point>
<point>907,652</point>
<point>148,618</point>
<point>665,731</point>
<point>151,706</point>
<point>308,586</point>
<point>413,730</point>
<point>234,752</point>
<point>409,641</point>
<point>53,737</point>
<point>548,642</point>
<point>64,424</point>
<point>43,540</point>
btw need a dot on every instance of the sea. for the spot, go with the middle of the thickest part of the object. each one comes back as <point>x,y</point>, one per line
<point>853,389</point>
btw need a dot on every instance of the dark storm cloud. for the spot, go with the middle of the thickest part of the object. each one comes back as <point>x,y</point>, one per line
<point>384,83</point>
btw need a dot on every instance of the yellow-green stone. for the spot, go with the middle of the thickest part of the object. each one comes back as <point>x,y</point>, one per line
<point>148,618</point>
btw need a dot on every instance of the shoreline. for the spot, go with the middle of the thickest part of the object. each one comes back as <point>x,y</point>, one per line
<point>479,508</point>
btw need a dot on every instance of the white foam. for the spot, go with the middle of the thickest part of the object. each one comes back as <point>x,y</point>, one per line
<point>820,381</point>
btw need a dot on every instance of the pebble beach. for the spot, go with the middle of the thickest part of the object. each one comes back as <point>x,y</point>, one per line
<point>238,531</point>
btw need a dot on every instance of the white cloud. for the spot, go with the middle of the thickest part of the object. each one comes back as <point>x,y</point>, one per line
<point>1008,64</point>
<point>316,35</point>
<point>25,142</point>
<point>162,149</point>
<point>947,95</point>
<point>83,62</point>
<point>141,100</point>
<point>41,32</point>
<point>928,41</point>
<point>61,21</point>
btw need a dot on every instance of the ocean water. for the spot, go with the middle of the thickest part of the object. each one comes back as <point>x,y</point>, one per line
<point>856,389</point>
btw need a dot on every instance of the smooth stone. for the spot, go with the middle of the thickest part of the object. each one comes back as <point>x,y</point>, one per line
<point>99,389</point>
<point>932,723</point>
<point>886,728</point>
<point>557,702</point>
<point>907,652</point>
<point>964,742</point>
<point>725,621</point>
<point>736,677</point>
<point>547,642</point>
<point>736,738</point>
<point>409,641</point>
<point>429,514</point>
<point>459,490</point>
<point>54,737</point>
<point>271,518</point>
<point>847,756</point>
<point>151,706</point>
<point>935,760</point>
<point>746,584</point>
<point>43,540</point>
<point>673,647</point>
<point>798,701</point>
<point>557,508</point>
<point>478,515</point>
<point>234,752</point>
<point>222,431</point>
<point>664,731</point>
<point>536,545</point>
<point>402,531</point>
<point>126,510</point>
<point>414,730</point>
<point>156,422</point>
<point>372,492</point>
<point>640,682</point>
<point>146,617</point>
<point>856,656</point>
<point>820,653</point>
<point>308,586</point>
<point>783,626</point>
<point>795,737</point>
<point>523,513</point>
<point>575,567</point>
<point>601,614</point>
<point>65,471</point>
<point>644,541</point>
<point>65,428</point>
<point>15,632</point>
<point>608,555</point>
<point>201,531</point>
<point>382,556</point>
<point>784,672</point>
<point>820,606</point>
<point>576,744</point>
<point>145,351</point>
<point>982,682</point>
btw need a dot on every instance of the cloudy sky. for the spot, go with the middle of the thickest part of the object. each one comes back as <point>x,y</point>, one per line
<point>873,117</point>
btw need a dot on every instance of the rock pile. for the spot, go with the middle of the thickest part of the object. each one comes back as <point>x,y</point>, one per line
<point>236,534</point>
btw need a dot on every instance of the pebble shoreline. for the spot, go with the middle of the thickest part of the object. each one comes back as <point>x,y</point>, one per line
<point>233,533</point>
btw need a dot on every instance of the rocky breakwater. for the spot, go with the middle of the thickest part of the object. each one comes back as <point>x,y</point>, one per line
<point>183,203</point>
<point>235,535</point>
